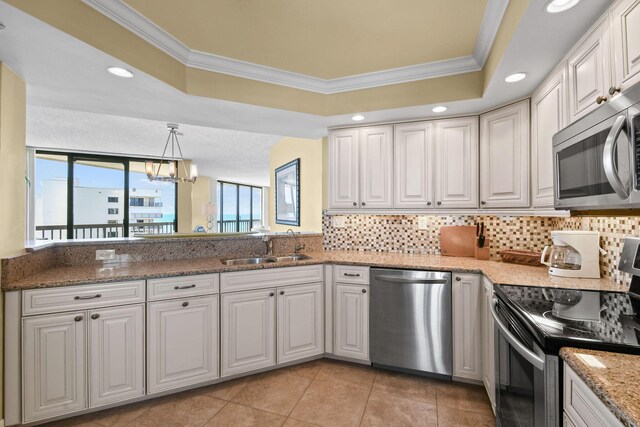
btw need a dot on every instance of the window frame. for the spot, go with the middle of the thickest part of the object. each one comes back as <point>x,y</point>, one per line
<point>72,157</point>
<point>237,185</point>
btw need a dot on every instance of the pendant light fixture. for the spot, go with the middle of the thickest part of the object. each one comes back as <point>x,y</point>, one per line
<point>154,174</point>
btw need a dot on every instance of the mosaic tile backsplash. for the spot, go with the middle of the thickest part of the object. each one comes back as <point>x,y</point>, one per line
<point>400,233</point>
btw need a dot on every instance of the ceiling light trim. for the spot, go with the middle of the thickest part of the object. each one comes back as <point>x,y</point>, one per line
<point>132,20</point>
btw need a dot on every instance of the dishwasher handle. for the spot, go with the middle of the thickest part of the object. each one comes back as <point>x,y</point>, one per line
<point>409,280</point>
<point>529,355</point>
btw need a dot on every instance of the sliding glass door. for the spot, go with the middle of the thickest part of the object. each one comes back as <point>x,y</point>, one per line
<point>240,207</point>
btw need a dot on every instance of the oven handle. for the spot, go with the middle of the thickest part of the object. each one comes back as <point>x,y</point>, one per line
<point>608,156</point>
<point>531,357</point>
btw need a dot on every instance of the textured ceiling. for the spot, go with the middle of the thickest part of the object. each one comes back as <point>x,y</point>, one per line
<point>325,39</point>
<point>223,154</point>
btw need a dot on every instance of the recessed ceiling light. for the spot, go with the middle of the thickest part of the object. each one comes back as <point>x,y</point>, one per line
<point>357,117</point>
<point>439,109</point>
<point>120,72</point>
<point>516,77</point>
<point>557,6</point>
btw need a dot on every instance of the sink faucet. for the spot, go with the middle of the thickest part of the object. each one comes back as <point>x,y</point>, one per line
<point>269,244</point>
<point>298,247</point>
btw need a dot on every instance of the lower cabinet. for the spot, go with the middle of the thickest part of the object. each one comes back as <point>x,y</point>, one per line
<point>182,342</point>
<point>351,305</point>
<point>300,322</point>
<point>56,348</point>
<point>581,405</point>
<point>488,361</point>
<point>467,331</point>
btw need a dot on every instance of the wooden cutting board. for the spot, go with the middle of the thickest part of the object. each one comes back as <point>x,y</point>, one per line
<point>458,240</point>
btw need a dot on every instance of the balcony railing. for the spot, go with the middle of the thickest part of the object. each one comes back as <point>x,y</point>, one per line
<point>100,231</point>
<point>233,226</point>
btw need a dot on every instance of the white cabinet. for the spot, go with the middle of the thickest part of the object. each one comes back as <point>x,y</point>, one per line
<point>456,163</point>
<point>116,354</point>
<point>548,116</point>
<point>53,365</point>
<point>300,322</point>
<point>488,352</point>
<point>182,342</point>
<point>352,321</point>
<point>360,168</point>
<point>248,331</point>
<point>414,150</point>
<point>625,35</point>
<point>581,406</point>
<point>589,72</point>
<point>467,332</point>
<point>504,157</point>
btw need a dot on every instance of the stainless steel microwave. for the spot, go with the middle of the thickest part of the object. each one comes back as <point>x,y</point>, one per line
<point>596,160</point>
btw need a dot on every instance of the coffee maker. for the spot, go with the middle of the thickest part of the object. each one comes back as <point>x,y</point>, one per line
<point>574,253</point>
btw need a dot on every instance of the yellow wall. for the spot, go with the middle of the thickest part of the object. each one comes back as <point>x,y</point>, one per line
<point>12,173</point>
<point>310,153</point>
<point>184,201</point>
<point>200,194</point>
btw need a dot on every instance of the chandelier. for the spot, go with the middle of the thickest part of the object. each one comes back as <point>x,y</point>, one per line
<point>154,174</point>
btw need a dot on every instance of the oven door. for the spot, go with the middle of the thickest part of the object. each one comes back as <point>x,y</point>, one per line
<point>526,379</point>
<point>594,169</point>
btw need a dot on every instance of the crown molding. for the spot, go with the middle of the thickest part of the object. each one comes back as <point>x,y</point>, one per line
<point>132,20</point>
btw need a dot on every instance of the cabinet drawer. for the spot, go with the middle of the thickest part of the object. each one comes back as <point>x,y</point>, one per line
<point>270,278</point>
<point>52,300</point>
<point>182,286</point>
<point>351,274</point>
<point>582,406</point>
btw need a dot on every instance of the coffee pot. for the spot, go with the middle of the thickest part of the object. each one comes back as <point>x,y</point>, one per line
<point>574,253</point>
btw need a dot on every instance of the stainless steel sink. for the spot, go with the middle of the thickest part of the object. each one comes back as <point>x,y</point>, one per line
<point>246,261</point>
<point>294,257</point>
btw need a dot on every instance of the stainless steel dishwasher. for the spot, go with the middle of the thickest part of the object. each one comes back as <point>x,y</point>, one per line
<point>410,321</point>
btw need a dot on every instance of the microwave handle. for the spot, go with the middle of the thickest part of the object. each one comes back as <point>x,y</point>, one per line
<point>529,355</point>
<point>608,163</point>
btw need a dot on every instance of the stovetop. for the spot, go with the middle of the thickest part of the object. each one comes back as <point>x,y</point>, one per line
<point>591,319</point>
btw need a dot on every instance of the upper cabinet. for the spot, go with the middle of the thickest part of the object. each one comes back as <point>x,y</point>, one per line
<point>413,153</point>
<point>625,36</point>
<point>360,168</point>
<point>548,116</point>
<point>589,72</point>
<point>504,157</point>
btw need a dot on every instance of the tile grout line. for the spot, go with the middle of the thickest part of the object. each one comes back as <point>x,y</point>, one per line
<point>216,414</point>
<point>375,375</point>
<point>303,393</point>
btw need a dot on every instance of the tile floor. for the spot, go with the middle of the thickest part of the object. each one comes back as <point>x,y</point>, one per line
<point>322,392</point>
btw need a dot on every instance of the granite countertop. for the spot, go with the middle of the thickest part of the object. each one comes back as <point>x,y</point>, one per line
<point>497,272</point>
<point>613,377</point>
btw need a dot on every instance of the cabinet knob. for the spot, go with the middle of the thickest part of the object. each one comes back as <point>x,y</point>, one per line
<point>428,203</point>
<point>95,316</point>
<point>613,90</point>
<point>601,99</point>
<point>483,203</point>
<point>281,292</point>
<point>363,203</point>
<point>271,294</point>
<point>185,304</point>
<point>438,203</point>
<point>458,279</point>
<point>78,318</point>
<point>355,204</point>
<point>364,291</point>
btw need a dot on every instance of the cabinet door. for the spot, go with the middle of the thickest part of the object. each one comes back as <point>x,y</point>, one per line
<point>548,116</point>
<point>248,331</point>
<point>504,157</point>
<point>456,163</point>
<point>413,171</point>
<point>182,342</point>
<point>589,72</point>
<point>53,365</point>
<point>343,169</point>
<point>376,167</point>
<point>116,354</point>
<point>467,300</point>
<point>488,362</point>
<point>352,321</point>
<point>300,322</point>
<point>625,29</point>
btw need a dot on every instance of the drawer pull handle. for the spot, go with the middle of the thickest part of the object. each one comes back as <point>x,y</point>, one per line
<point>78,297</point>
<point>185,304</point>
<point>352,274</point>
<point>78,318</point>
<point>95,316</point>
<point>184,287</point>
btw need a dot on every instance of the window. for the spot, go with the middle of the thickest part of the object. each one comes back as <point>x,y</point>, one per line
<point>83,196</point>
<point>240,207</point>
